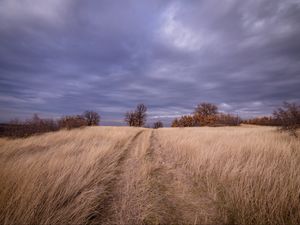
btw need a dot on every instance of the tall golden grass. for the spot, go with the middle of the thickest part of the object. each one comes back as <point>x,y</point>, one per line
<point>122,175</point>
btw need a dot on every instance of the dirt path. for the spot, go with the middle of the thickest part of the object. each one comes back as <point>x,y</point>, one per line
<point>182,198</point>
<point>151,187</point>
<point>128,198</point>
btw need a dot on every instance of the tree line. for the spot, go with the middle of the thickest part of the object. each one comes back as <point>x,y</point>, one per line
<point>286,117</point>
<point>36,125</point>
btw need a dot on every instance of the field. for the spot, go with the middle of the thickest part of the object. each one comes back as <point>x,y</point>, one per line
<point>124,175</point>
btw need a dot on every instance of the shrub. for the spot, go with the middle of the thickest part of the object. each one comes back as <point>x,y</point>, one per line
<point>208,120</point>
<point>288,117</point>
<point>263,121</point>
<point>206,114</point>
<point>158,124</point>
<point>184,121</point>
<point>175,123</point>
<point>35,125</point>
<point>70,122</point>
<point>92,118</point>
<point>228,120</point>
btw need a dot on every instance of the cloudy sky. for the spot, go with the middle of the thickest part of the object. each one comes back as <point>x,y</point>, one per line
<point>61,57</point>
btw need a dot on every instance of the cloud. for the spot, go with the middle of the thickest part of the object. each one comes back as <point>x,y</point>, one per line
<point>178,34</point>
<point>63,57</point>
<point>15,12</point>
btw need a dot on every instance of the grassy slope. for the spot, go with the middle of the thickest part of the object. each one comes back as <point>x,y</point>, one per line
<point>120,175</point>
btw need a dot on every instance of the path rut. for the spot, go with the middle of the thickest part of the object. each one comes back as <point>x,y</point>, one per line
<point>128,197</point>
<point>151,187</point>
<point>181,198</point>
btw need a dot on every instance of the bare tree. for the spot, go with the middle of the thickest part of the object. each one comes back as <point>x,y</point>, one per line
<point>206,109</point>
<point>130,119</point>
<point>35,125</point>
<point>141,115</point>
<point>288,117</point>
<point>205,114</point>
<point>92,118</point>
<point>138,117</point>
<point>158,124</point>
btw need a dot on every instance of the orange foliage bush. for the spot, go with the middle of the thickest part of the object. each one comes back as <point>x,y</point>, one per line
<point>206,114</point>
<point>184,121</point>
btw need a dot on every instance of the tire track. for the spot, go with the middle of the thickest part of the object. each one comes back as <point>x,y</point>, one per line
<point>164,211</point>
<point>130,196</point>
<point>129,146</point>
<point>180,199</point>
<point>104,209</point>
<point>152,186</point>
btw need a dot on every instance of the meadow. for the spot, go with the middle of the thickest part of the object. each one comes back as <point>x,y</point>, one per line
<point>125,175</point>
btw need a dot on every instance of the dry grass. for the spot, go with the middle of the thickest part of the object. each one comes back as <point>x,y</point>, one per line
<point>109,175</point>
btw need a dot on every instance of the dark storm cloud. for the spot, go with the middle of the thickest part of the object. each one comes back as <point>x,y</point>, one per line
<point>62,57</point>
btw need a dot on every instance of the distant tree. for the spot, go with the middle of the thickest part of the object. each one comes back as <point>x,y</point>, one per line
<point>288,117</point>
<point>138,117</point>
<point>70,122</point>
<point>92,118</point>
<point>158,124</point>
<point>206,109</point>
<point>130,119</point>
<point>141,115</point>
<point>205,114</point>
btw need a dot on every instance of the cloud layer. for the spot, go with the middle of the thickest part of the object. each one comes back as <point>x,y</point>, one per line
<point>62,57</point>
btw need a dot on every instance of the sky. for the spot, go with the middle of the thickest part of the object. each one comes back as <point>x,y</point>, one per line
<point>61,57</point>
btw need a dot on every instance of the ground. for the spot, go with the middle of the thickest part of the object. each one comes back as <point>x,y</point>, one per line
<point>124,175</point>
